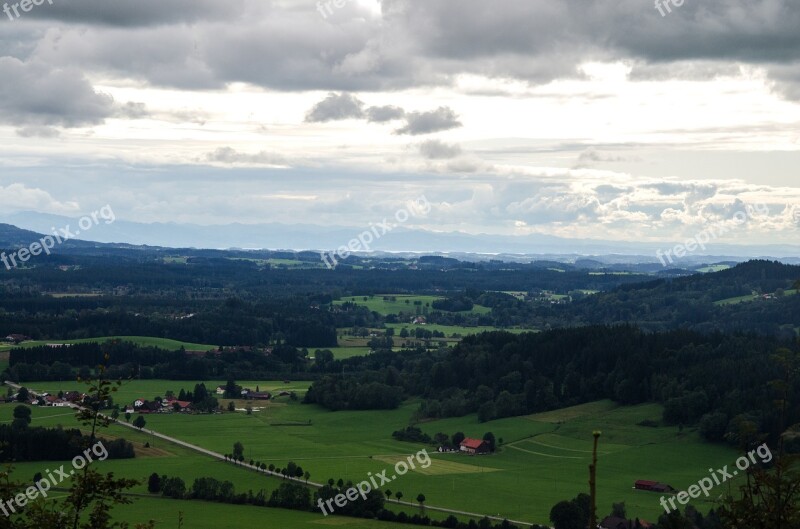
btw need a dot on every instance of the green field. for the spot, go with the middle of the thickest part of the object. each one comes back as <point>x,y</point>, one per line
<point>449,330</point>
<point>543,458</point>
<point>205,515</point>
<point>149,389</point>
<point>145,341</point>
<point>73,295</point>
<point>348,352</point>
<point>401,303</point>
<point>749,297</point>
<point>350,346</point>
<point>713,268</point>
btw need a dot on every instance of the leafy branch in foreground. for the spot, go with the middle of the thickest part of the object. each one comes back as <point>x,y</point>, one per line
<point>771,497</point>
<point>92,495</point>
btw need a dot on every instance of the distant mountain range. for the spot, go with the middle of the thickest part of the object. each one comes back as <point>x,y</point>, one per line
<point>311,237</point>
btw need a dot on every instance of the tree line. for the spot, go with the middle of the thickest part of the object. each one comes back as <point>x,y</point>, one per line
<point>719,381</point>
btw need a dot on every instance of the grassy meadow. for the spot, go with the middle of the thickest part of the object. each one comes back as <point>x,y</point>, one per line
<point>145,341</point>
<point>543,458</point>
<point>397,303</point>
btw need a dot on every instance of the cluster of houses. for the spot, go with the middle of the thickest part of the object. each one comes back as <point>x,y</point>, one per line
<point>249,394</point>
<point>167,405</point>
<point>67,399</point>
<point>171,404</point>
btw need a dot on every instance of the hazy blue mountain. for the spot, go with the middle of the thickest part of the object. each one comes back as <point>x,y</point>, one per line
<point>313,237</point>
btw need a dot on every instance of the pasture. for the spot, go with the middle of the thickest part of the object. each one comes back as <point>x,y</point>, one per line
<point>396,303</point>
<point>208,515</point>
<point>144,341</point>
<point>542,459</point>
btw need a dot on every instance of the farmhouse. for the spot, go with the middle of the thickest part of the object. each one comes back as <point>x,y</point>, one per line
<point>259,395</point>
<point>17,338</point>
<point>652,486</point>
<point>176,405</point>
<point>73,396</point>
<point>474,446</point>
<point>146,406</point>
<point>613,522</point>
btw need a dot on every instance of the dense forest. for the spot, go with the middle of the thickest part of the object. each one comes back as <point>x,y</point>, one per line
<point>716,380</point>
<point>244,299</point>
<point>22,443</point>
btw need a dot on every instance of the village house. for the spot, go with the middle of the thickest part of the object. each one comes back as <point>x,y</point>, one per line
<point>146,406</point>
<point>474,446</point>
<point>614,522</point>
<point>73,396</point>
<point>171,403</point>
<point>652,486</point>
<point>16,338</point>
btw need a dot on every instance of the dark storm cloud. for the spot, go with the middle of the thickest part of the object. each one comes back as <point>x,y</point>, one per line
<point>439,150</point>
<point>443,118</point>
<point>38,131</point>
<point>336,107</point>
<point>133,110</point>
<point>229,155</point>
<point>384,114</point>
<point>35,94</point>
<point>124,13</point>
<point>202,44</point>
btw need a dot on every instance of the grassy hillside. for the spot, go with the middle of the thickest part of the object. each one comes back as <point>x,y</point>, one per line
<point>545,455</point>
<point>145,341</point>
<point>205,515</point>
<point>398,303</point>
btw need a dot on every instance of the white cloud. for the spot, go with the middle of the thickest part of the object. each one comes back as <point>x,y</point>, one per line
<point>18,197</point>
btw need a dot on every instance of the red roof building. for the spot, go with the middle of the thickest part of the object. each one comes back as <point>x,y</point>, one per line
<point>654,486</point>
<point>474,446</point>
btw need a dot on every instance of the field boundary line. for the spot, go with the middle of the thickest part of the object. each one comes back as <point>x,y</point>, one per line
<point>546,455</point>
<point>567,449</point>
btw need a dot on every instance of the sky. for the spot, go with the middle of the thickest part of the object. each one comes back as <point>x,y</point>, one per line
<point>614,119</point>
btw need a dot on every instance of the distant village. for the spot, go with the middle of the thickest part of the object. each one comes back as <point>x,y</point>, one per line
<point>168,404</point>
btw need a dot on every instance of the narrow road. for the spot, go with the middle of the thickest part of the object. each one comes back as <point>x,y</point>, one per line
<point>247,466</point>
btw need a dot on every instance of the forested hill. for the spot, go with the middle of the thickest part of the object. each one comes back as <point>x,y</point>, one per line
<point>720,382</point>
<point>757,296</point>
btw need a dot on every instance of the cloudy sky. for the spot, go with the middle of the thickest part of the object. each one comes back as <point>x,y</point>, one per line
<point>611,119</point>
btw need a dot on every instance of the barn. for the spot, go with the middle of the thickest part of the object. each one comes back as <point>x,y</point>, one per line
<point>474,446</point>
